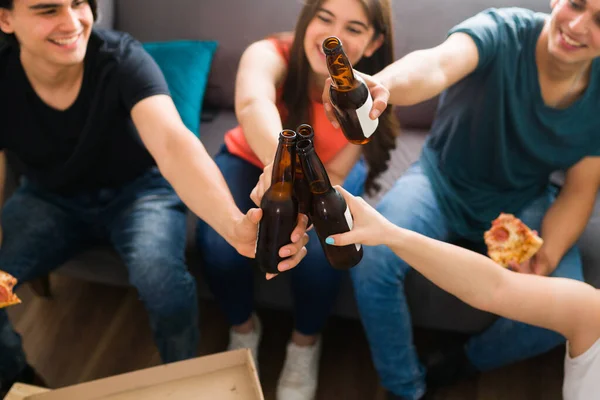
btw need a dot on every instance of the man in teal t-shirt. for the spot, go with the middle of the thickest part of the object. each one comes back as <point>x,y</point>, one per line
<point>520,95</point>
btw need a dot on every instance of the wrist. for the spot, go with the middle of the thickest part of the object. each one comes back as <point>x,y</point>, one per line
<point>549,257</point>
<point>392,235</point>
<point>268,157</point>
<point>233,220</point>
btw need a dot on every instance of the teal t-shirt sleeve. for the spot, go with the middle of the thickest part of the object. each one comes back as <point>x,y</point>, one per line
<point>485,32</point>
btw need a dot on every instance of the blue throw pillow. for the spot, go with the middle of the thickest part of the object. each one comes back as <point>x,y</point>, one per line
<point>185,65</point>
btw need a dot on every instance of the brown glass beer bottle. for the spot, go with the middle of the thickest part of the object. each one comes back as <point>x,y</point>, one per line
<point>349,95</point>
<point>279,206</point>
<point>328,211</point>
<point>301,189</point>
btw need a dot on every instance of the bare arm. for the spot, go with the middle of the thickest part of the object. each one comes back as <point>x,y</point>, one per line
<point>260,71</point>
<point>568,216</point>
<point>563,305</point>
<point>423,74</point>
<point>418,76</point>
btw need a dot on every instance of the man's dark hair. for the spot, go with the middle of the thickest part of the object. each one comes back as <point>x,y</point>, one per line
<point>8,4</point>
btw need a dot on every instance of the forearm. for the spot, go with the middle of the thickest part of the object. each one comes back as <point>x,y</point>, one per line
<point>564,222</point>
<point>470,276</point>
<point>200,184</point>
<point>412,79</point>
<point>261,123</point>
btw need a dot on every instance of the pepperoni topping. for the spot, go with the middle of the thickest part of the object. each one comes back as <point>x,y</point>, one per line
<point>500,234</point>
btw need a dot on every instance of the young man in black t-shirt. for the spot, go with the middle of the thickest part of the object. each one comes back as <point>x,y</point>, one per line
<point>105,157</point>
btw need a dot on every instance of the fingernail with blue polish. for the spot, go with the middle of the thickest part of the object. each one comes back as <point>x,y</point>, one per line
<point>329,240</point>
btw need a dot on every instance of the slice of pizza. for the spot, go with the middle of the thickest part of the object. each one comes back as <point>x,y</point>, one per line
<point>509,239</point>
<point>7,297</point>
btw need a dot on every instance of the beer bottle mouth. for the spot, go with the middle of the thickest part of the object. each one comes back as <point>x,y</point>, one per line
<point>305,131</point>
<point>304,146</point>
<point>331,44</point>
<point>288,135</point>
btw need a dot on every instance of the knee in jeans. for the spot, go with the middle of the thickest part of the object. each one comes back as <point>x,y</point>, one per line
<point>164,285</point>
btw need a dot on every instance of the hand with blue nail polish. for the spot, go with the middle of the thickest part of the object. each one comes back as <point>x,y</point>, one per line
<point>369,228</point>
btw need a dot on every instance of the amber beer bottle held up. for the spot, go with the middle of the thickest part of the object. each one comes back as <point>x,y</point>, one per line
<point>349,95</point>
<point>301,189</point>
<point>329,212</point>
<point>279,206</point>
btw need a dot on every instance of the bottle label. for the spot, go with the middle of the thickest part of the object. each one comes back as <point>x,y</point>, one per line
<point>350,222</point>
<point>366,123</point>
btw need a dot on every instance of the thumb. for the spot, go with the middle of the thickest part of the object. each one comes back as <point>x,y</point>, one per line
<point>254,215</point>
<point>347,195</point>
<point>379,106</point>
<point>342,239</point>
<point>351,201</point>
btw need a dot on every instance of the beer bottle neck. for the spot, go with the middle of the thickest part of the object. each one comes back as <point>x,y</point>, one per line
<point>314,171</point>
<point>340,68</point>
<point>285,161</point>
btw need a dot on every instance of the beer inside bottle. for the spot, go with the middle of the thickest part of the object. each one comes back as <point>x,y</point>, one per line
<point>349,95</point>
<point>279,206</point>
<point>329,211</point>
<point>301,189</point>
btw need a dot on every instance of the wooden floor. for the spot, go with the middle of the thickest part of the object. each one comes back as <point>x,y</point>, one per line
<point>89,331</point>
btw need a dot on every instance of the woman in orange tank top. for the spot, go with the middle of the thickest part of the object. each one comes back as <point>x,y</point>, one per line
<point>278,85</point>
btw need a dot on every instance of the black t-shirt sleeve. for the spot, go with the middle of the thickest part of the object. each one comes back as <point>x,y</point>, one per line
<point>139,75</point>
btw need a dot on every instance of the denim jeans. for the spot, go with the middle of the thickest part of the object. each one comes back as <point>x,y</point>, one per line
<point>145,222</point>
<point>230,276</point>
<point>379,287</point>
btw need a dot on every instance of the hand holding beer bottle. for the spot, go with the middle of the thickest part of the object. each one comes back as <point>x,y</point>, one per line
<point>280,211</point>
<point>349,95</point>
<point>379,93</point>
<point>328,211</point>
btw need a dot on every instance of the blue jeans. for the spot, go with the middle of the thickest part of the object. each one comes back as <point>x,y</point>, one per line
<point>230,275</point>
<point>379,287</point>
<point>145,222</point>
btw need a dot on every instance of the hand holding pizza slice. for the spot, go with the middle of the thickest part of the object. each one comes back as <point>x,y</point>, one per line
<point>510,240</point>
<point>7,297</point>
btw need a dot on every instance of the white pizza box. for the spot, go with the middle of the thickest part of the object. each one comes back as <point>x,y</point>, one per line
<point>229,375</point>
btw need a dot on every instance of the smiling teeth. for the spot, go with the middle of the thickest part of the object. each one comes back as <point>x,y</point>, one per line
<point>571,41</point>
<point>64,42</point>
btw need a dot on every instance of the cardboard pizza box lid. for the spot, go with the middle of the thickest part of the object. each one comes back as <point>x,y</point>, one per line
<point>229,375</point>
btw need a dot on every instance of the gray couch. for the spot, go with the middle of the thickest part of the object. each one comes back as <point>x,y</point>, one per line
<point>237,23</point>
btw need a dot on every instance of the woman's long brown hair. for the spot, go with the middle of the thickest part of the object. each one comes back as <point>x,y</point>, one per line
<point>297,83</point>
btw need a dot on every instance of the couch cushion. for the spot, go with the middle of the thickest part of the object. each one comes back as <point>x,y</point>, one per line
<point>407,151</point>
<point>185,65</point>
